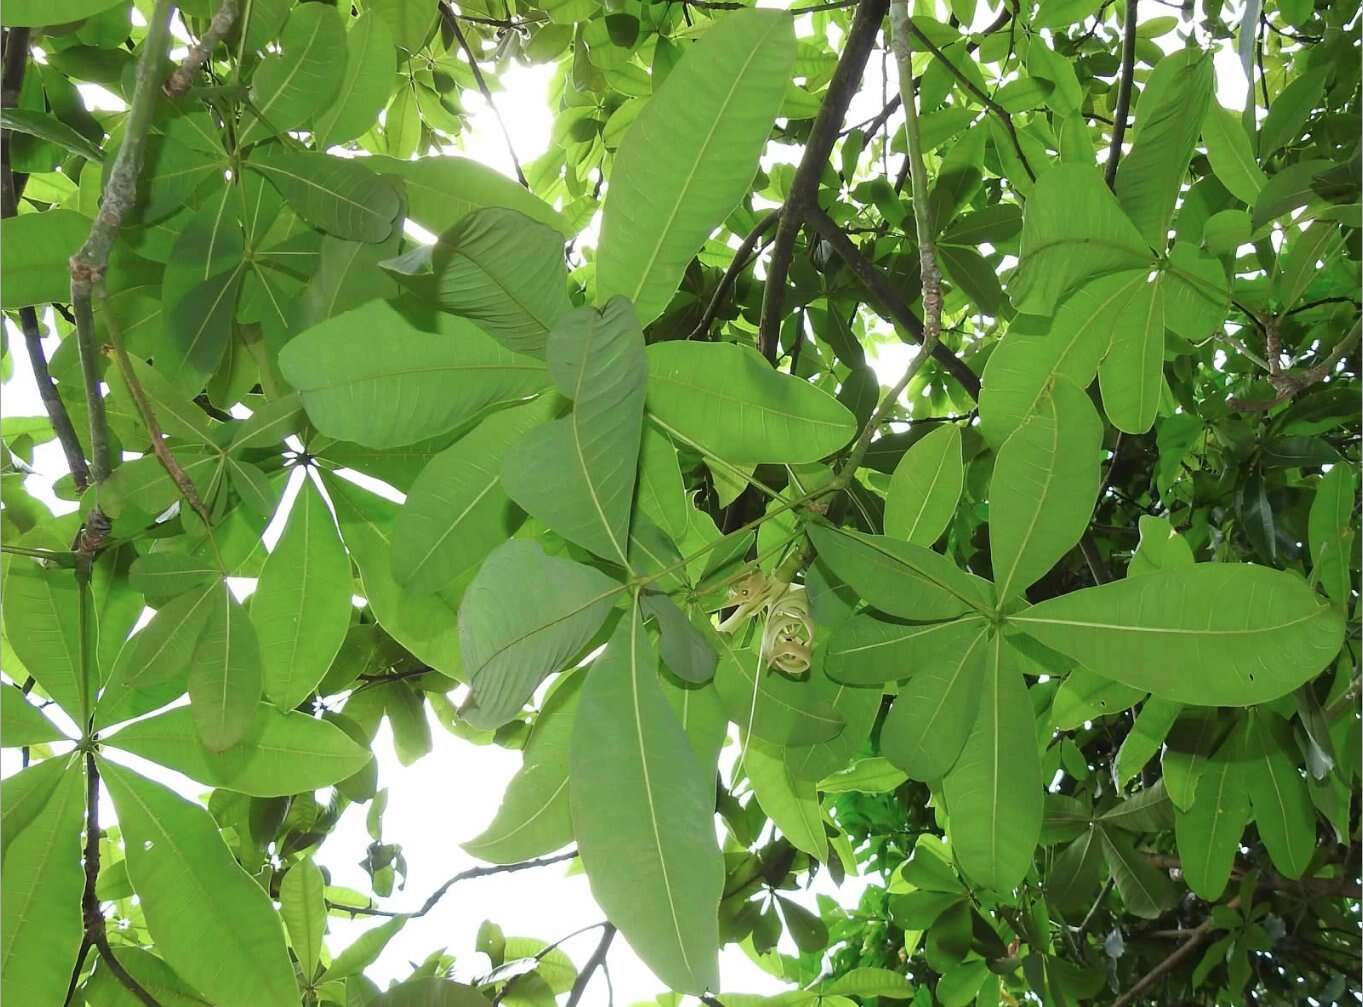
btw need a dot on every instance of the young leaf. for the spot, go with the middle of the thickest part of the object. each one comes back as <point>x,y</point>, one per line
<point>225,678</point>
<point>301,608</point>
<point>689,157</point>
<point>303,908</point>
<point>211,922</point>
<point>1253,633</point>
<point>643,813</point>
<point>925,487</point>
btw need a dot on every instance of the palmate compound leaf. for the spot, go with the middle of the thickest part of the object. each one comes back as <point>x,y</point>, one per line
<point>524,616</point>
<point>727,400</point>
<point>767,705</point>
<point>925,487</point>
<point>643,812</point>
<point>302,604</point>
<point>576,474</point>
<point>282,753</point>
<point>213,924</point>
<point>1212,634</point>
<point>534,817</point>
<point>690,156</point>
<point>1043,488</point>
<point>374,377</point>
<point>993,791</point>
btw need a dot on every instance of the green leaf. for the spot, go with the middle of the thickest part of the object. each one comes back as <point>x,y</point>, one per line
<point>42,624</point>
<point>1043,489</point>
<point>32,14</point>
<point>727,400</point>
<point>24,795</point>
<point>368,81</point>
<point>301,607</point>
<point>806,929</point>
<point>291,85</point>
<point>498,268</point>
<point>282,753</point>
<point>643,811</point>
<point>342,197</point>
<point>1283,812</point>
<point>1330,530</point>
<point>441,191</point>
<point>373,377</point>
<point>1230,154</point>
<point>51,129</point>
<point>534,817</point>
<point>870,982</point>
<point>164,648</point>
<point>225,678</point>
<point>22,723</point>
<point>1160,548</point>
<point>1147,734</point>
<point>690,156</point>
<point>1146,891</point>
<point>364,950</point>
<point>900,579</point>
<point>1076,873</point>
<point>576,474</point>
<point>457,512</point>
<point>875,775</point>
<point>767,705</point>
<point>792,803</point>
<point>210,920</point>
<point>40,897</point>
<point>1084,696</point>
<point>1169,117</point>
<point>524,616</point>
<point>925,487</point>
<point>1208,833</point>
<point>685,650</point>
<point>1132,374</point>
<point>931,719</point>
<point>864,650</point>
<point>1072,229</point>
<point>993,792</point>
<point>151,973</point>
<point>302,906</point>
<point>1253,633</point>
<point>659,492</point>
<point>857,707</point>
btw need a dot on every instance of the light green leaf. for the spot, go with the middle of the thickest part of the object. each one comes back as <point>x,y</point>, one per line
<point>1072,229</point>
<point>767,705</point>
<point>1283,812</point>
<point>40,897</point>
<point>370,75</point>
<point>1084,696</point>
<point>151,973</point>
<point>1147,734</point>
<point>690,156</point>
<point>1043,489</point>
<point>441,191</point>
<point>457,512</point>
<point>282,753</point>
<point>792,803</point>
<point>164,648</point>
<point>524,616</point>
<point>576,474</point>
<point>1230,154</point>
<point>643,811</point>
<point>876,775</point>
<point>302,906</point>
<point>993,792</point>
<point>498,268</point>
<point>534,817</point>
<point>1160,548</point>
<point>225,676</point>
<point>210,920</point>
<point>42,624</point>
<point>931,719</point>
<point>337,195</point>
<point>1330,530</point>
<point>291,85</point>
<point>22,723</point>
<point>301,607</point>
<point>726,399</point>
<point>35,14</point>
<point>900,579</point>
<point>1132,374</point>
<point>659,492</point>
<point>925,487</point>
<point>857,707</point>
<point>373,377</point>
<point>363,951</point>
<point>1169,116</point>
<point>1208,833</point>
<point>864,650</point>
<point>24,795</point>
<point>870,982</point>
<point>1252,633</point>
<point>34,270</point>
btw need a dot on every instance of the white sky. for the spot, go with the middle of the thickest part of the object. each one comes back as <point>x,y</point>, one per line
<point>451,794</point>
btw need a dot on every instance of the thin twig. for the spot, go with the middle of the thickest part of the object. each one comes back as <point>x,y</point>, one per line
<point>1114,151</point>
<point>596,961</point>
<point>120,195</point>
<point>739,263</point>
<point>1197,936</point>
<point>804,187</point>
<point>217,30</point>
<point>453,22</point>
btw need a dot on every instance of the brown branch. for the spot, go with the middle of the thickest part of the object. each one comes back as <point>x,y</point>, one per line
<point>453,22</point>
<point>805,186</point>
<point>740,262</point>
<point>1114,152</point>
<point>217,30</point>
<point>1290,383</point>
<point>891,305</point>
<point>1196,937</point>
<point>1343,888</point>
<point>439,893</point>
<point>596,961</point>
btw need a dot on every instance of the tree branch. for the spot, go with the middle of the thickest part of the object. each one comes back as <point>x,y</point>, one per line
<point>1114,152</point>
<point>453,22</point>
<point>217,30</point>
<point>596,961</point>
<point>805,186</point>
<point>736,266</point>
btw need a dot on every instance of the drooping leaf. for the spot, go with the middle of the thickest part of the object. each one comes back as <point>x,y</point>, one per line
<point>925,487</point>
<point>1252,633</point>
<point>373,377</point>
<point>643,809</point>
<point>690,155</point>
<point>211,922</point>
<point>523,617</point>
<point>790,802</point>
<point>301,607</point>
<point>303,908</point>
<point>1208,833</point>
<point>1278,796</point>
<point>225,677</point>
